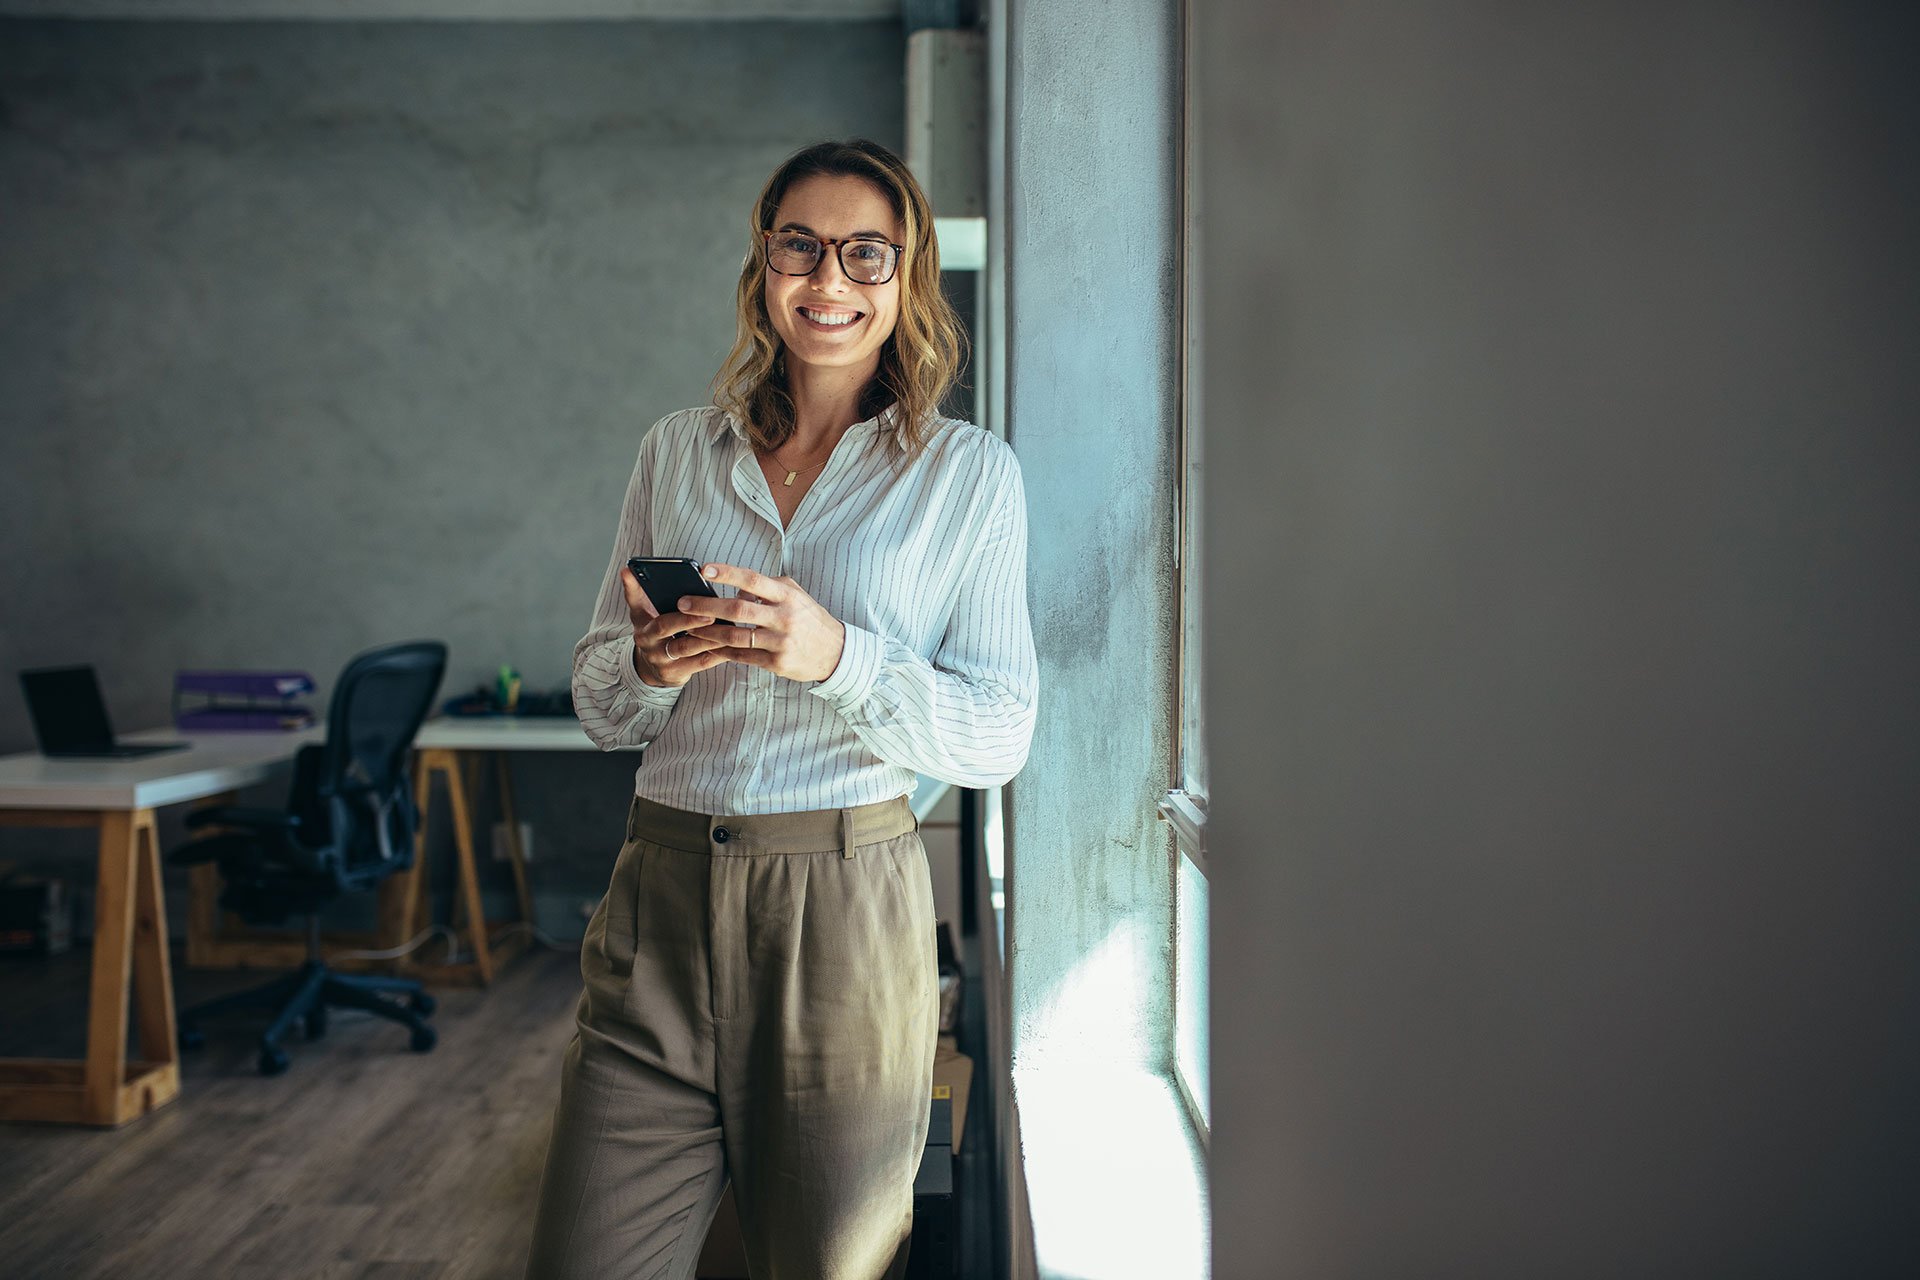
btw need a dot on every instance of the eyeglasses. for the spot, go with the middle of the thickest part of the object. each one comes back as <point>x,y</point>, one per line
<point>795,253</point>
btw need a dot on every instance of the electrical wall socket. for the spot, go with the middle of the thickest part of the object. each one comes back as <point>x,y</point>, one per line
<point>500,853</point>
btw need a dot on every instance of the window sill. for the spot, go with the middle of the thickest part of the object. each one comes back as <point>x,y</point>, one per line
<point>1116,1178</point>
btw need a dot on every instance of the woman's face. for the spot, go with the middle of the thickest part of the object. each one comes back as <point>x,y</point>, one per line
<point>809,312</point>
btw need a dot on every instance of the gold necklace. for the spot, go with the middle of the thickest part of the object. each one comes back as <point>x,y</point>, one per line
<point>788,482</point>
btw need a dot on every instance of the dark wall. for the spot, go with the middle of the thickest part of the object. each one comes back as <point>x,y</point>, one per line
<point>1564,556</point>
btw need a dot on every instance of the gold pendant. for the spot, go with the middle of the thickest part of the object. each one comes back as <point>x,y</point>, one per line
<point>789,480</point>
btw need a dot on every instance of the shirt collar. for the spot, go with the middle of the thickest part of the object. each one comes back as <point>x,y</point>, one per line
<point>886,420</point>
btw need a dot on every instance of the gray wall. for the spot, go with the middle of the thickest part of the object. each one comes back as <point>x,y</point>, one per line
<point>508,10</point>
<point>1091,388</point>
<point>319,335</point>
<point>1564,556</point>
<point>1081,358</point>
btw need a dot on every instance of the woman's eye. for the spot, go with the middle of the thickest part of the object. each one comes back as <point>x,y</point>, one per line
<point>799,244</point>
<point>869,252</point>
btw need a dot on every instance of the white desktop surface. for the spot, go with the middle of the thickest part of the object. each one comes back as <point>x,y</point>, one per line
<point>218,762</point>
<point>212,763</point>
<point>503,733</point>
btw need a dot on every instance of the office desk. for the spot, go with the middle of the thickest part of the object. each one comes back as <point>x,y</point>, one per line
<point>453,749</point>
<point>130,971</point>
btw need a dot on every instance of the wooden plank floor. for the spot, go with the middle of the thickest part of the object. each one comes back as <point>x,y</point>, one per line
<point>363,1160</point>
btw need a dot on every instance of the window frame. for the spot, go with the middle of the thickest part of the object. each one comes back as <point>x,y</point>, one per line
<point>1184,806</point>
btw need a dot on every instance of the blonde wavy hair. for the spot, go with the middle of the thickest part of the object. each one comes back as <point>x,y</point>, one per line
<point>920,358</point>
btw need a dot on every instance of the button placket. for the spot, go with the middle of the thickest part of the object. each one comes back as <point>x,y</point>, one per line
<point>753,491</point>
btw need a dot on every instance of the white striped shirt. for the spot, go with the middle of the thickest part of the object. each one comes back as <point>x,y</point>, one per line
<point>925,566</point>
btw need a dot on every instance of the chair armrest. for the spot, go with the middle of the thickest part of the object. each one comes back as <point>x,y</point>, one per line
<point>235,816</point>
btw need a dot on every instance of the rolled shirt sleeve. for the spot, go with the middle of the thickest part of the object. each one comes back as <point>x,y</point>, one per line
<point>616,708</point>
<point>966,716</point>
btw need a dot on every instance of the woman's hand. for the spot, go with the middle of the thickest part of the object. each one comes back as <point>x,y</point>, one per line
<point>791,635</point>
<point>655,633</point>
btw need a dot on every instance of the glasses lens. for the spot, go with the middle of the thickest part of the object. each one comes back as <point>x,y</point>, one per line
<point>793,254</point>
<point>868,261</point>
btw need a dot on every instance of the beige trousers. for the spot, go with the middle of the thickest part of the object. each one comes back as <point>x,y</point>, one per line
<point>760,1003</point>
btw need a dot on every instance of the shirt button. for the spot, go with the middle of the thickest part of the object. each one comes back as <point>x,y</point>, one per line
<point>721,835</point>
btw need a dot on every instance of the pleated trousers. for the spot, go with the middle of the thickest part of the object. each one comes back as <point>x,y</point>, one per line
<point>759,1004</point>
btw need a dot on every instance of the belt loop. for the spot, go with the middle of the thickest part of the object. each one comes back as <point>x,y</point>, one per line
<point>846,834</point>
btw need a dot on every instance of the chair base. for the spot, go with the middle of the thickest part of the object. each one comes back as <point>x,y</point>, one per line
<point>305,996</point>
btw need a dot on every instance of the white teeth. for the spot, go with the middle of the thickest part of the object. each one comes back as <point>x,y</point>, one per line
<point>820,318</point>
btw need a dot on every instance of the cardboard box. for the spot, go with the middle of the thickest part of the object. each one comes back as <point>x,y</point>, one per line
<point>954,1070</point>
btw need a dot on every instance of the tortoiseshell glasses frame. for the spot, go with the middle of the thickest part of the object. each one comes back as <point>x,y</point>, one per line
<point>799,253</point>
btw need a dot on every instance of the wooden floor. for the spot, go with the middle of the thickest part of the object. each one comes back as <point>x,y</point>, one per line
<point>363,1160</point>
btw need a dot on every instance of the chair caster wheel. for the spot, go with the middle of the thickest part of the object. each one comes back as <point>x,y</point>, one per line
<point>273,1061</point>
<point>192,1038</point>
<point>422,1003</point>
<point>424,1038</point>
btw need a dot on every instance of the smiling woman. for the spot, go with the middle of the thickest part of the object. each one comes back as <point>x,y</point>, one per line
<point>832,318</point>
<point>903,344</point>
<point>760,1000</point>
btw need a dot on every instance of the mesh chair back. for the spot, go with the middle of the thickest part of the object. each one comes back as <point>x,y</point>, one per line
<point>378,704</point>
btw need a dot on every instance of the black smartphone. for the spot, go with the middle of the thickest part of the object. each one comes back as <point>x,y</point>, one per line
<point>666,579</point>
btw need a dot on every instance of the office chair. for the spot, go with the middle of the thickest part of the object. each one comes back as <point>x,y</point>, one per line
<point>349,823</point>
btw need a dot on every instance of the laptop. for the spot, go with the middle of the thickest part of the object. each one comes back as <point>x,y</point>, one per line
<point>70,717</point>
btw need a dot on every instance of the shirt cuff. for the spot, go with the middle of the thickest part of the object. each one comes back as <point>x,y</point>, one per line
<point>853,679</point>
<point>649,695</point>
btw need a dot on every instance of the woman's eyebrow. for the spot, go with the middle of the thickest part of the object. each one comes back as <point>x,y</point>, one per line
<point>858,235</point>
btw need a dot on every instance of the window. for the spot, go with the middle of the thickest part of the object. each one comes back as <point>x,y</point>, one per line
<point>1185,804</point>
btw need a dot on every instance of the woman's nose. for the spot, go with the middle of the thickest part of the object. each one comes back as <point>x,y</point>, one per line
<point>828,271</point>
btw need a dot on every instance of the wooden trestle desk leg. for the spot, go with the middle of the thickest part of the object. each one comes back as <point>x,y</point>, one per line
<point>130,973</point>
<point>416,904</point>
<point>152,976</point>
<point>469,914</point>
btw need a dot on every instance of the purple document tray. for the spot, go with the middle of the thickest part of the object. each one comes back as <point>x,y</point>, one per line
<point>244,700</point>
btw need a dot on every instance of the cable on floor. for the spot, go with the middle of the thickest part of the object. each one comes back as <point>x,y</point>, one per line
<point>454,953</point>
<point>406,948</point>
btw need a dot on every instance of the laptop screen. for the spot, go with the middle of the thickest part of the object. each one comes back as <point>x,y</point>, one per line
<point>67,709</point>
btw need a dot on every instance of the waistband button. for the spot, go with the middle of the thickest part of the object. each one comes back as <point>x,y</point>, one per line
<point>721,835</point>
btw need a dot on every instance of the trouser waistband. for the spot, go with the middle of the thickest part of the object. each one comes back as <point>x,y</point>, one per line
<point>744,835</point>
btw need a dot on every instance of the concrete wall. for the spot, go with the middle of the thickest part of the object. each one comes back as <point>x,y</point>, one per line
<point>458,10</point>
<point>315,336</point>
<point>1091,393</point>
<point>1082,374</point>
<point>1564,556</point>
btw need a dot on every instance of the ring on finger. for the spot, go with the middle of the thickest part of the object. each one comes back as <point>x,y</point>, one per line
<point>667,648</point>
